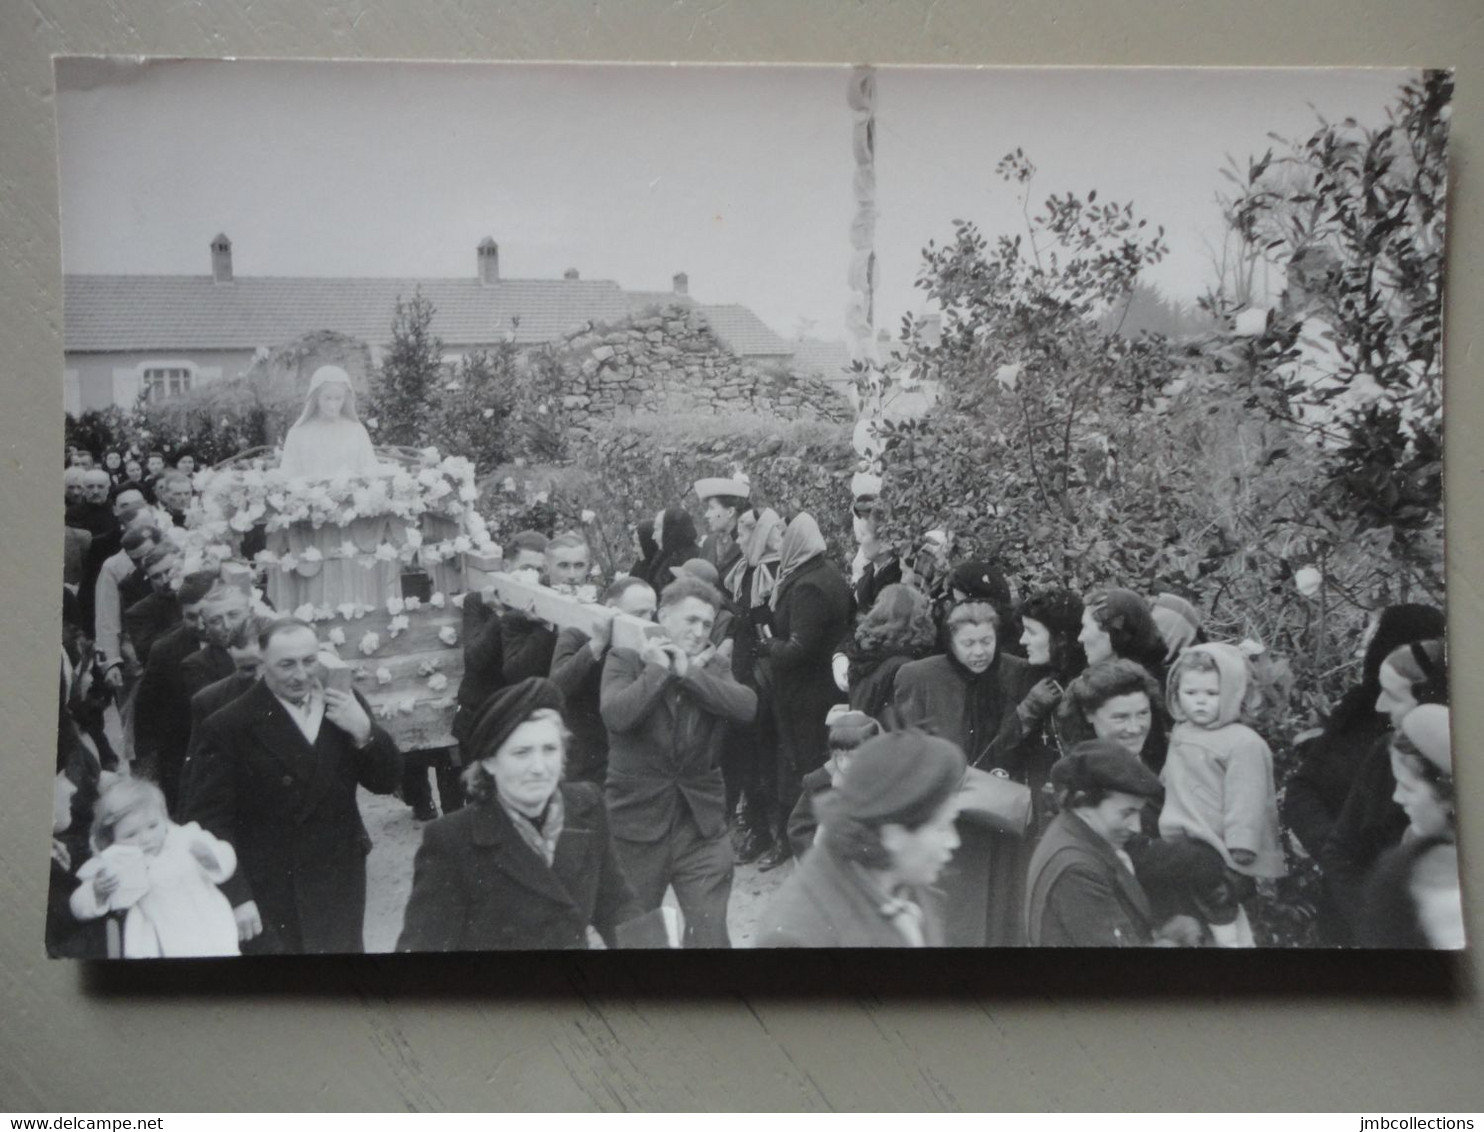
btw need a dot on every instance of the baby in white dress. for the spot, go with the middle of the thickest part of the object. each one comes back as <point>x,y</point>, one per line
<point>163,877</point>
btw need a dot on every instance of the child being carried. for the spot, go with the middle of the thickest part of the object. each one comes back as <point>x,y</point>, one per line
<point>162,876</point>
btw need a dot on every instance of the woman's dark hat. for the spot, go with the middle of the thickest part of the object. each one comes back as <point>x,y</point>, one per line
<point>506,710</point>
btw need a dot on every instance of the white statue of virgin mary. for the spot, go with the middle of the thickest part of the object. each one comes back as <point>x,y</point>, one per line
<point>329,439</point>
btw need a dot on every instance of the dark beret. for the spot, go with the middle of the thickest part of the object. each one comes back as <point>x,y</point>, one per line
<point>506,710</point>
<point>1101,764</point>
<point>902,777</point>
<point>981,581</point>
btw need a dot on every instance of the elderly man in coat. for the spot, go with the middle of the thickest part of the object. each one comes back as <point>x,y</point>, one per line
<point>667,710</point>
<point>276,777</point>
<point>1081,890</point>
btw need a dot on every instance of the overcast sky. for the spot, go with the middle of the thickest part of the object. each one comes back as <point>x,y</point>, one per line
<point>739,176</point>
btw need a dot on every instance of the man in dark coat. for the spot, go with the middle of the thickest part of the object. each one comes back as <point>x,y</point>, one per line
<point>155,614</point>
<point>161,706</point>
<point>667,711</point>
<point>277,777</point>
<point>577,669</point>
<point>1081,890</point>
<point>247,664</point>
<point>724,500</point>
<point>483,634</point>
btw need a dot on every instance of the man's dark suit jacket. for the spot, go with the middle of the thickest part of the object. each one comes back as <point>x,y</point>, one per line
<point>579,674</point>
<point>178,668</point>
<point>483,664</point>
<point>289,809</point>
<point>665,738</point>
<point>204,704</point>
<point>149,619</point>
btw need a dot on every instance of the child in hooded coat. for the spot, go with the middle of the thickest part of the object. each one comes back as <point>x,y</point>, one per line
<point>1218,777</point>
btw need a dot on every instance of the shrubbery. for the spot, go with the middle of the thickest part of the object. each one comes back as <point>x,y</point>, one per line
<point>630,468</point>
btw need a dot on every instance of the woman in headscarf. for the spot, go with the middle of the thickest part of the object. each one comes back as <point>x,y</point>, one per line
<point>529,864</point>
<point>1179,623</point>
<point>886,832</point>
<point>968,696</point>
<point>1371,822</point>
<point>811,612</point>
<point>896,630</point>
<point>750,763</point>
<point>675,531</point>
<point>1329,762</point>
<point>328,439</point>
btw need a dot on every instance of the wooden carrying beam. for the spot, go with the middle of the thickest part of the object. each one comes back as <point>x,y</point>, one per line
<point>565,611</point>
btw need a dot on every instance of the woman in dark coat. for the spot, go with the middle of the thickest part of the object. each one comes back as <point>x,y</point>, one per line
<point>675,531</point>
<point>528,865</point>
<point>1081,890</point>
<point>1328,763</point>
<point>811,613</point>
<point>897,629</point>
<point>750,763</point>
<point>1371,822</point>
<point>967,696</point>
<point>1026,751</point>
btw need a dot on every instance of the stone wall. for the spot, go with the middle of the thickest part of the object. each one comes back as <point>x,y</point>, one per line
<point>667,360</point>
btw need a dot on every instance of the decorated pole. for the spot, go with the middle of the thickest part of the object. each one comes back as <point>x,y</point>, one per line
<point>863,277</point>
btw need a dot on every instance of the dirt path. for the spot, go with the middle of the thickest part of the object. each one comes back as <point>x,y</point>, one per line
<point>395,838</point>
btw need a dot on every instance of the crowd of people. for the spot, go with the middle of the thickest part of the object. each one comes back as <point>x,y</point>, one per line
<point>937,758</point>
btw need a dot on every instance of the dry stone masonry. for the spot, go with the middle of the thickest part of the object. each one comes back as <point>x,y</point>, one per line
<point>668,360</point>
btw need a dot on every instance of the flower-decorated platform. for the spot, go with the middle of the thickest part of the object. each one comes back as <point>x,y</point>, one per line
<point>337,553</point>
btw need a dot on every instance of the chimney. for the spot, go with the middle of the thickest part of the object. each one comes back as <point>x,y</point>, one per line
<point>680,284</point>
<point>571,273</point>
<point>489,262</point>
<point>221,259</point>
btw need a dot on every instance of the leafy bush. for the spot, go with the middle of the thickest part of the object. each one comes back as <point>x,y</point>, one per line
<point>631,468</point>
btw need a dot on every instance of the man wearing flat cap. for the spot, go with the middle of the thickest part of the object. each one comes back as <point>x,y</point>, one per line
<point>1080,889</point>
<point>724,498</point>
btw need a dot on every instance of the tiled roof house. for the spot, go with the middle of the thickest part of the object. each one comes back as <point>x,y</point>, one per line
<point>168,333</point>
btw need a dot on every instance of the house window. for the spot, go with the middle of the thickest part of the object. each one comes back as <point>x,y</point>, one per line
<point>161,382</point>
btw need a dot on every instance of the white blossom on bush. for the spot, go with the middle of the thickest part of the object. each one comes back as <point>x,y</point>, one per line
<point>1307,579</point>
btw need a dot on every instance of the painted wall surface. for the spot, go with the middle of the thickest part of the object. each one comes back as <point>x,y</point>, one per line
<point>1036,1031</point>
<point>116,378</point>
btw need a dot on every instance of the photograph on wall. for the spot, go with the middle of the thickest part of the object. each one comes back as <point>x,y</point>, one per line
<point>535,507</point>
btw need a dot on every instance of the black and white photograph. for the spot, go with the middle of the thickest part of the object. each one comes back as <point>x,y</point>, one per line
<point>558,506</point>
